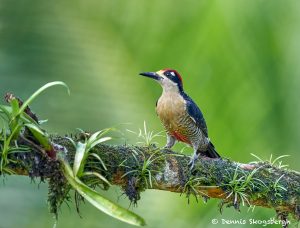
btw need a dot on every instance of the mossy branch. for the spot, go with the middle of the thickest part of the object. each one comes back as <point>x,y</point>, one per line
<point>83,162</point>
<point>259,184</point>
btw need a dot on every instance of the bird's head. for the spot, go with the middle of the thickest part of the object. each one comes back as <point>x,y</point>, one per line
<point>169,79</point>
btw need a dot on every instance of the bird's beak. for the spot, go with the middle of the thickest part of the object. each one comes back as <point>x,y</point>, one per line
<point>152,75</point>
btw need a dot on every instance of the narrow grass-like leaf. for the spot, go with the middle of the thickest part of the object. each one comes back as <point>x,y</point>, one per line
<point>132,171</point>
<point>6,146</point>
<point>94,137</point>
<point>15,106</point>
<point>79,159</point>
<point>8,171</point>
<point>39,91</point>
<point>149,176</point>
<point>97,175</point>
<point>71,141</point>
<point>98,141</point>
<point>258,158</point>
<point>39,135</point>
<point>99,201</point>
<point>98,157</point>
<point>6,110</point>
<point>276,159</point>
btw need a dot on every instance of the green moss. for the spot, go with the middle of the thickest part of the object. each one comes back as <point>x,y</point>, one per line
<point>191,187</point>
<point>140,167</point>
<point>58,190</point>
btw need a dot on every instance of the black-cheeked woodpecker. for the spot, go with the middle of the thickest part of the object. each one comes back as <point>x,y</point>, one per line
<point>180,116</point>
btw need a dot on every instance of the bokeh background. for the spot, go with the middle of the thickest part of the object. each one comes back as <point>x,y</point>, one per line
<point>239,61</point>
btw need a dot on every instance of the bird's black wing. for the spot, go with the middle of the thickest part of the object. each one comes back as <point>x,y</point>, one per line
<point>196,114</point>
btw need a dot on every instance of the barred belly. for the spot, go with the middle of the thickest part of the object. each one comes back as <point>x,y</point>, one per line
<point>171,110</point>
<point>183,128</point>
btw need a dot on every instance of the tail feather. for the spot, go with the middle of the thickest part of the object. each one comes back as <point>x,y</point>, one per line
<point>210,152</point>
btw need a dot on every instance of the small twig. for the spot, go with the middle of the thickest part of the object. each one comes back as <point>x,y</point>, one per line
<point>35,146</point>
<point>9,97</point>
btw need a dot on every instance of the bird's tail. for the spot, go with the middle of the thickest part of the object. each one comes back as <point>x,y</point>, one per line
<point>210,152</point>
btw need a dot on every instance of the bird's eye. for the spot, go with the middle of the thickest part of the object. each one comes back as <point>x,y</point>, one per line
<point>170,74</point>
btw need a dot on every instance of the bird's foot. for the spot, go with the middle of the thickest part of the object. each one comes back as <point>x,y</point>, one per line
<point>192,161</point>
<point>170,142</point>
<point>167,147</point>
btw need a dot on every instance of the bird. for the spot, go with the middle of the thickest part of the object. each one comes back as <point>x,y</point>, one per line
<point>180,116</point>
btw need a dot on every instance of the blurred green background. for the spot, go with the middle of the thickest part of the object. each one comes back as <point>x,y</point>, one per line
<point>239,61</point>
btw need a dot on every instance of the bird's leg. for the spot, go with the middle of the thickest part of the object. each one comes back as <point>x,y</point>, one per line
<point>170,141</point>
<point>193,158</point>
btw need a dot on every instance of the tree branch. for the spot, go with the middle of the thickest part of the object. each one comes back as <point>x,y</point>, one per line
<point>26,149</point>
<point>260,184</point>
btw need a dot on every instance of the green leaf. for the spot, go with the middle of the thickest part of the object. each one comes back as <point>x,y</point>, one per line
<point>15,106</point>
<point>6,110</point>
<point>27,119</point>
<point>39,91</point>
<point>71,141</point>
<point>98,157</point>
<point>276,159</point>
<point>98,141</point>
<point>82,151</point>
<point>8,113</point>
<point>15,133</point>
<point>96,136</point>
<point>99,201</point>
<point>97,175</point>
<point>79,159</point>
<point>13,123</point>
<point>39,135</point>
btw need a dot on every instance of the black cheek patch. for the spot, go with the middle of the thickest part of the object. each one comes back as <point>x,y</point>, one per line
<point>175,79</point>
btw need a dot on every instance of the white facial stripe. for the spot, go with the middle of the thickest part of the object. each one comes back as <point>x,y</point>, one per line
<point>173,74</point>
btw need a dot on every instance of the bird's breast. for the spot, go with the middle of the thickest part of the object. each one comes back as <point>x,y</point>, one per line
<point>171,109</point>
<point>170,106</point>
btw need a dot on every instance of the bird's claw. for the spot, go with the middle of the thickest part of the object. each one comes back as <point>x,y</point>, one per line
<point>191,164</point>
<point>192,161</point>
